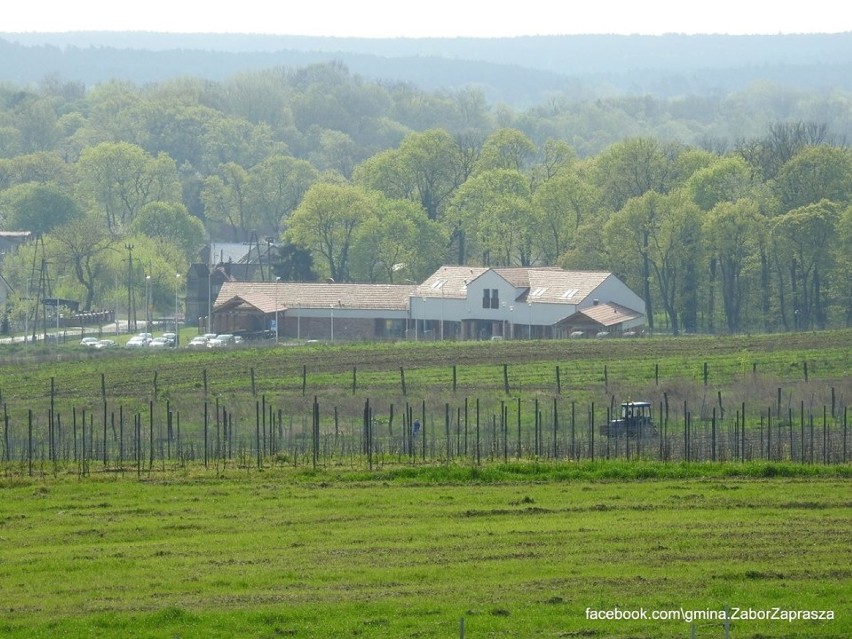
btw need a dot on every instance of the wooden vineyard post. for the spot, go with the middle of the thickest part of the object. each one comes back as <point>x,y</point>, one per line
<point>402,381</point>
<point>447,429</point>
<point>105,435</point>
<point>592,432</point>
<point>315,432</point>
<point>30,441</point>
<point>151,434</point>
<point>256,435</point>
<point>6,451</point>
<point>477,432</point>
<point>573,432</point>
<point>555,429</point>
<point>206,426</point>
<point>519,427</point>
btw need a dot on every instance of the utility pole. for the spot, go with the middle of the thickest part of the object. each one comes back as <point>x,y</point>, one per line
<point>130,308</point>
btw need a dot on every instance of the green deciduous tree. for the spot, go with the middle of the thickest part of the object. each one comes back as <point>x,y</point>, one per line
<point>426,168</point>
<point>733,231</point>
<point>397,243</point>
<point>726,180</point>
<point>326,221</point>
<point>658,236</point>
<point>494,210</point>
<point>507,149</point>
<point>225,196</point>
<point>170,223</point>
<point>275,187</point>
<point>560,206</point>
<point>815,173</point>
<point>38,208</point>
<point>79,247</point>
<point>633,167</point>
<point>118,179</point>
<point>803,240</point>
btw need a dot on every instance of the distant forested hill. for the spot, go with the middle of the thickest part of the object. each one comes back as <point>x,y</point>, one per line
<point>521,72</point>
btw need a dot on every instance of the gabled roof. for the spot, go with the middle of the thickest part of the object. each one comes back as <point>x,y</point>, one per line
<point>252,301</point>
<point>449,281</point>
<point>534,284</point>
<point>266,295</point>
<point>609,314</point>
<point>562,287</point>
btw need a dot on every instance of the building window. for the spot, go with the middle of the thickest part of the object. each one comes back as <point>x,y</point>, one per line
<point>490,298</point>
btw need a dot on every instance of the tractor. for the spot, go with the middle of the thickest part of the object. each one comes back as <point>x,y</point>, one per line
<point>635,421</point>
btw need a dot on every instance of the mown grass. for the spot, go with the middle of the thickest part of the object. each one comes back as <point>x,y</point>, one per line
<point>517,550</point>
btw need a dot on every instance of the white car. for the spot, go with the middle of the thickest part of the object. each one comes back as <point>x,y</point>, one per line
<point>105,343</point>
<point>220,341</point>
<point>89,342</point>
<point>198,342</point>
<point>137,341</point>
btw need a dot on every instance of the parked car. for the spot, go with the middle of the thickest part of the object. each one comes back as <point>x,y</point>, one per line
<point>199,341</point>
<point>138,341</point>
<point>89,342</point>
<point>221,341</point>
<point>105,343</point>
<point>161,342</point>
<point>171,337</point>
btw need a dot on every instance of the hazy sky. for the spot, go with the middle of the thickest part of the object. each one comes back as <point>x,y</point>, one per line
<point>436,18</point>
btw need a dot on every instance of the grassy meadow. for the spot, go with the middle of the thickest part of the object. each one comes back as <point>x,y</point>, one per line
<point>409,552</point>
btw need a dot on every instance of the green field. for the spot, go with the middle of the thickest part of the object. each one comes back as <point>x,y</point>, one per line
<point>764,397</point>
<point>128,508</point>
<point>410,553</point>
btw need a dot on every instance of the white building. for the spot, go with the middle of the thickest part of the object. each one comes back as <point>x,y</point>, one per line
<point>456,302</point>
<point>479,303</point>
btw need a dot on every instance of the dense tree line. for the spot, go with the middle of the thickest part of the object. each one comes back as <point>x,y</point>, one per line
<point>362,181</point>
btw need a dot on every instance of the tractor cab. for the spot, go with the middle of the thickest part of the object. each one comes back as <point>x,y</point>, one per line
<point>635,421</point>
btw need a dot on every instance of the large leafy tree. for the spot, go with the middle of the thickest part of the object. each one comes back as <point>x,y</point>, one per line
<point>397,243</point>
<point>659,236</point>
<point>507,149</point>
<point>726,180</point>
<point>275,187</point>
<point>79,248</point>
<point>560,206</point>
<point>842,281</point>
<point>733,231</point>
<point>226,200</point>
<point>326,222</point>
<point>118,179</point>
<point>426,168</point>
<point>803,240</point>
<point>38,208</point>
<point>494,209</point>
<point>815,173</point>
<point>170,223</point>
<point>631,168</point>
